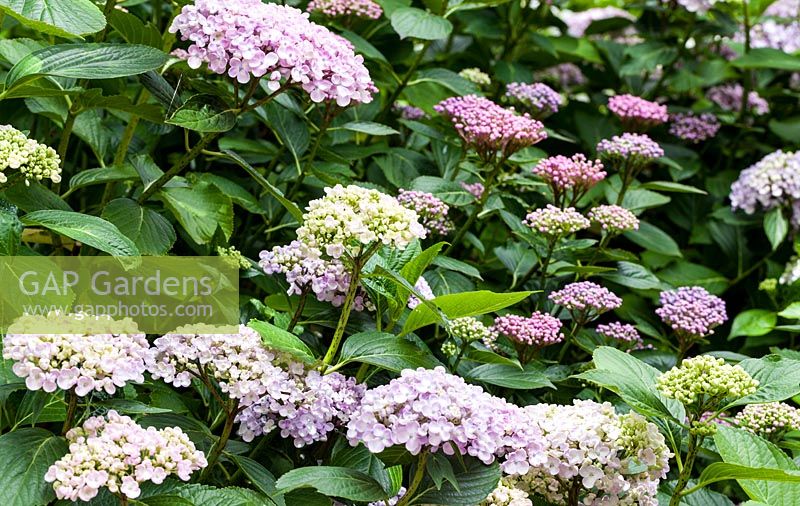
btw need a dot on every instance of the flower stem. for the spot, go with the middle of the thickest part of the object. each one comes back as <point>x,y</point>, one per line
<point>415,482</point>
<point>347,307</point>
<point>686,472</point>
<point>299,311</point>
<point>72,404</point>
<point>219,444</point>
<point>490,179</point>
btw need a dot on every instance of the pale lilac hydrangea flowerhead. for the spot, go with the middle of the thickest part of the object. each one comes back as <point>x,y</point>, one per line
<point>613,219</point>
<point>569,178</point>
<point>346,8</point>
<point>34,161</point>
<point>488,128</point>
<point>538,99</point>
<point>691,311</point>
<point>698,6</point>
<point>585,300</point>
<point>694,128</point>
<point>630,148</point>
<point>773,181</point>
<point>84,358</point>
<point>409,112</point>
<point>566,75</point>
<point>611,458</point>
<point>771,420</point>
<point>117,453</point>
<point>432,410</point>
<point>505,494</point>
<point>779,28</point>
<point>248,39</point>
<point>424,289</point>
<point>556,222</point>
<point>578,22</point>
<point>431,210</point>
<point>637,113</point>
<point>729,98</point>
<point>475,189</point>
<point>349,219</point>
<point>625,333</point>
<point>307,271</point>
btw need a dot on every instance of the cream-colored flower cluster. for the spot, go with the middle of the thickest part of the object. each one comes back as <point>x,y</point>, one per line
<point>32,159</point>
<point>705,379</point>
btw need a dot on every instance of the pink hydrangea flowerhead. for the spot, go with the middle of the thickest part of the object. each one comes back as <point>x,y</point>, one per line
<point>475,189</point>
<point>625,333</point>
<point>537,98</point>
<point>585,300</point>
<point>432,410</point>
<point>366,9</point>
<point>772,182</point>
<point>692,311</point>
<point>556,222</point>
<point>538,329</point>
<point>307,270</point>
<point>248,39</point>
<point>694,128</point>
<point>101,356</point>
<point>409,112</point>
<point>575,175</point>
<point>117,453</point>
<point>613,219</point>
<point>779,28</point>
<point>630,148</point>
<point>565,75</point>
<point>431,210</point>
<point>771,420</point>
<point>488,128</point>
<point>729,98</point>
<point>637,113</point>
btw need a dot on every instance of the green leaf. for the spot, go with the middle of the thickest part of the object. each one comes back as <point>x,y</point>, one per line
<point>150,232</point>
<point>767,58</point>
<point>385,350</point>
<point>633,276</point>
<point>457,305</point>
<point>792,311</point>
<point>200,209</point>
<point>259,477</point>
<point>85,61</point>
<point>788,129</point>
<point>420,24</point>
<point>369,127</point>
<point>509,376</point>
<point>203,113</point>
<point>90,230</point>
<point>778,379</point>
<point>289,128</point>
<point>133,29</point>
<point>633,380</point>
<point>333,481</point>
<point>104,175</point>
<point>776,226</point>
<point>654,239</point>
<point>447,78</point>
<point>475,481</point>
<point>10,231</point>
<point>721,471</point>
<point>35,197</point>
<point>25,455</point>
<point>62,18</point>
<point>449,192</point>
<point>669,186</point>
<point>282,340</point>
<point>753,322</point>
<point>127,406</point>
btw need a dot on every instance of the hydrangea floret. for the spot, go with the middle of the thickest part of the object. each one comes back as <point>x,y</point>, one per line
<point>366,9</point>
<point>705,381</point>
<point>729,98</point>
<point>585,300</point>
<point>692,313</point>
<point>555,222</point>
<point>636,113</point>
<point>34,161</point>
<point>771,420</point>
<point>538,99</point>
<point>770,183</point>
<point>613,219</point>
<point>694,128</point>
<point>476,76</point>
<point>431,210</point>
<point>569,178</point>
<point>528,334</point>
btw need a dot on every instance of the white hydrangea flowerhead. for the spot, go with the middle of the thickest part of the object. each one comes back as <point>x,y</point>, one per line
<point>507,495</point>
<point>33,160</point>
<point>117,453</point>
<point>349,219</point>
<point>705,381</point>
<point>101,355</point>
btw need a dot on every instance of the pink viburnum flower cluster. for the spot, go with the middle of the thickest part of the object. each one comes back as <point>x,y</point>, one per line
<point>248,38</point>
<point>488,128</point>
<point>573,175</point>
<point>112,354</point>
<point>694,128</point>
<point>613,219</point>
<point>431,210</point>
<point>117,453</point>
<point>637,113</point>
<point>538,98</point>
<point>692,311</point>
<point>432,410</point>
<point>630,148</point>
<point>556,222</point>
<point>346,8</point>
<point>538,329</point>
<point>729,98</point>
<point>585,300</point>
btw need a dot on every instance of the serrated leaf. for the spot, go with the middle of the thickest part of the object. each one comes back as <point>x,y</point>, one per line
<point>150,232</point>
<point>25,455</point>
<point>203,113</point>
<point>282,340</point>
<point>90,230</point>
<point>385,350</point>
<point>753,322</point>
<point>333,481</point>
<point>369,127</point>
<point>200,210</point>
<point>420,24</point>
<point>510,376</point>
<point>62,18</point>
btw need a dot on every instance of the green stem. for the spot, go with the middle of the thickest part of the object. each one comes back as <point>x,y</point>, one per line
<point>179,166</point>
<point>326,121</point>
<point>63,143</point>
<point>404,81</point>
<point>107,9</point>
<point>686,472</point>
<point>490,179</point>
<point>415,482</point>
<point>299,311</point>
<point>748,76</point>
<point>72,404</point>
<point>461,353</point>
<point>219,444</point>
<point>123,500</point>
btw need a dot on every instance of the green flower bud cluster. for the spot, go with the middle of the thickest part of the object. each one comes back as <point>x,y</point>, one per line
<point>470,329</point>
<point>700,428</point>
<point>35,161</point>
<point>234,256</point>
<point>704,380</point>
<point>449,349</point>
<point>771,420</point>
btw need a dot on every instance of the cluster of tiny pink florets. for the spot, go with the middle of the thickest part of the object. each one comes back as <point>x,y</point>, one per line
<point>585,298</point>
<point>630,148</point>
<point>431,210</point>
<point>729,98</point>
<point>694,128</point>
<point>556,222</point>
<point>692,311</point>
<point>574,174</point>
<point>636,112</point>
<point>538,329</point>
<point>613,219</point>
<point>538,98</point>
<point>342,8</point>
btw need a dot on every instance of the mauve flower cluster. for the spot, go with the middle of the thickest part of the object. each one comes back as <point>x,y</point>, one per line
<point>316,405</point>
<point>573,174</point>
<point>85,357</point>
<point>409,112</point>
<point>475,189</point>
<point>706,381</point>
<point>489,128</point>
<point>773,181</point>
<point>614,459</point>
<point>431,210</point>
<point>249,38</point>
<point>585,300</point>
<point>691,310</point>
<point>538,98</point>
<point>33,160</point>
<point>694,128</point>
<point>729,98</point>
<point>578,22</point>
<point>771,420</point>
<point>117,453</point>
<point>342,8</point>
<point>613,219</point>
<point>556,222</point>
<point>349,219</point>
<point>432,410</point>
<point>476,76</point>
<point>620,332</point>
<point>778,29</point>
<point>305,269</point>
<point>565,74</point>
<point>630,148</point>
<point>636,112</point>
<point>537,330</point>
<point>424,289</point>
